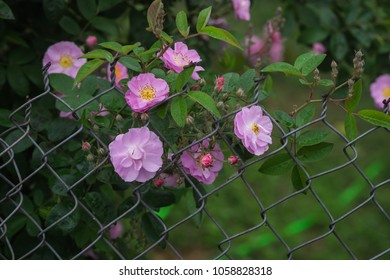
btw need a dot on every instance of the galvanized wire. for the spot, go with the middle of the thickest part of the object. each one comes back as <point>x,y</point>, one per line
<point>13,188</point>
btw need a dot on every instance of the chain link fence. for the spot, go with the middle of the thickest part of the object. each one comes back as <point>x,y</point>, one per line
<point>343,207</point>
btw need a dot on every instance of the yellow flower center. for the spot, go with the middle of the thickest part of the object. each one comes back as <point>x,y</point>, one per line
<point>148,93</point>
<point>118,73</point>
<point>66,61</point>
<point>181,60</point>
<point>386,92</point>
<point>255,128</point>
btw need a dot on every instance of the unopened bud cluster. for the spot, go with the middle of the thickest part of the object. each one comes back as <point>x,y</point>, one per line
<point>358,65</point>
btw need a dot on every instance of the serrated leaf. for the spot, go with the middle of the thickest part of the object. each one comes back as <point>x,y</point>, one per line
<point>312,137</point>
<point>203,19</point>
<point>282,67</point>
<point>128,48</point>
<point>69,25</point>
<point>183,78</point>
<point>247,80</point>
<point>99,54</point>
<point>351,104</point>
<point>205,100</point>
<point>298,178</point>
<point>179,110</point>
<point>131,63</point>
<point>61,210</point>
<point>315,152</point>
<point>350,127</point>
<point>277,164</point>
<point>5,11</point>
<point>375,117</point>
<point>112,46</point>
<point>87,69</point>
<point>231,82</point>
<point>182,23</point>
<point>88,8</point>
<point>311,64</point>
<point>61,83</point>
<point>302,59</point>
<point>220,34</point>
<point>284,118</point>
<point>305,115</point>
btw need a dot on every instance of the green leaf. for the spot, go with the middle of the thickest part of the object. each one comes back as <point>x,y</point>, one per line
<point>220,34</point>
<point>182,23</point>
<point>166,37</point>
<point>282,67</point>
<point>302,59</point>
<point>315,152</point>
<point>99,206</point>
<point>153,228</point>
<point>179,110</point>
<point>61,210</point>
<point>60,128</point>
<point>298,178</point>
<point>247,80</point>
<point>87,69</point>
<point>159,198</point>
<point>326,83</point>
<point>339,45</point>
<point>5,11</point>
<point>312,63</point>
<point>277,164</point>
<point>105,5</point>
<point>18,80</point>
<point>20,56</point>
<point>350,127</point>
<point>106,25</point>
<point>284,118</point>
<point>351,104</point>
<point>205,100</point>
<point>4,118</point>
<point>305,115</point>
<point>112,46</point>
<point>375,117</point>
<point>128,48</point>
<point>183,78</point>
<point>54,9</point>
<point>23,145</point>
<point>231,83</point>
<point>57,187</point>
<point>69,25</point>
<point>61,83</point>
<point>88,8</point>
<point>203,19</point>
<point>312,137</point>
<point>99,54</point>
<point>131,63</point>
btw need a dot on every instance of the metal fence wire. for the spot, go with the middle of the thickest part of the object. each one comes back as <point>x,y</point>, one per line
<point>350,218</point>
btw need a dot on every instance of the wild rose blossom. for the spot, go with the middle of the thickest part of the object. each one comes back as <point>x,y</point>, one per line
<point>257,48</point>
<point>120,73</point>
<point>195,164</point>
<point>145,91</point>
<point>64,58</point>
<point>318,48</point>
<point>241,9</point>
<point>136,155</point>
<point>380,90</point>
<point>253,129</point>
<point>179,57</point>
<point>171,180</point>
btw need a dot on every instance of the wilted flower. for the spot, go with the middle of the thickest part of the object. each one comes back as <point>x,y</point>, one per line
<point>380,90</point>
<point>120,73</point>
<point>171,180</point>
<point>206,171</point>
<point>253,129</point>
<point>241,9</point>
<point>91,41</point>
<point>318,48</point>
<point>145,91</point>
<point>64,58</point>
<point>179,57</point>
<point>116,230</point>
<point>136,155</point>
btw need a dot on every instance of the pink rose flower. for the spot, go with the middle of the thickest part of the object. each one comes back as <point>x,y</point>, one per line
<point>318,48</point>
<point>380,90</point>
<point>171,180</point>
<point>120,73</point>
<point>136,155</point>
<point>179,57</point>
<point>257,48</point>
<point>91,41</point>
<point>206,160</point>
<point>145,91</point>
<point>192,162</point>
<point>116,230</point>
<point>64,58</point>
<point>241,9</point>
<point>253,129</point>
